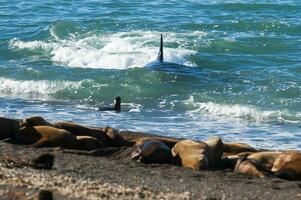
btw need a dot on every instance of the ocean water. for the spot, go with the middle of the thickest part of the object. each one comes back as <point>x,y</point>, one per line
<point>241,78</point>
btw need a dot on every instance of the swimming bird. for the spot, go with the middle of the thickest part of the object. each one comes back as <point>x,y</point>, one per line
<point>117,106</point>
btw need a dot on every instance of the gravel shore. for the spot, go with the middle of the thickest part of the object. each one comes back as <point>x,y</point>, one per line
<point>110,174</point>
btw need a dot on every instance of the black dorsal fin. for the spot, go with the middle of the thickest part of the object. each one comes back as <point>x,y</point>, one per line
<point>160,54</point>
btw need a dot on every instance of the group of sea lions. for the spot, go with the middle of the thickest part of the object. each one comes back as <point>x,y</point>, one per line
<point>198,155</point>
<point>36,131</point>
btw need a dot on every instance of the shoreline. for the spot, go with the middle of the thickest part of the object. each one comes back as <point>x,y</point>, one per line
<point>112,175</point>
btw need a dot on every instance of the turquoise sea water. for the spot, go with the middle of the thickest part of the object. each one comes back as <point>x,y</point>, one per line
<point>242,80</point>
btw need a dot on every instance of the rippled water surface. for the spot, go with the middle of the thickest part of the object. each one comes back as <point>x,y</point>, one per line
<point>240,73</point>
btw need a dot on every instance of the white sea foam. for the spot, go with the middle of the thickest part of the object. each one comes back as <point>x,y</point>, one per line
<point>41,89</point>
<point>117,51</point>
<point>250,113</point>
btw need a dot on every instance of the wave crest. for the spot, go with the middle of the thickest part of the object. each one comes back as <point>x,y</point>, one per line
<point>42,89</point>
<point>117,51</point>
<point>250,113</point>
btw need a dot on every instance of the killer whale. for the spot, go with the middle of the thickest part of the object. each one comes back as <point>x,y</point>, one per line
<point>160,59</point>
<point>160,65</point>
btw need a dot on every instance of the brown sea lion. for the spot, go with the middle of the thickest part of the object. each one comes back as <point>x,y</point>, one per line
<point>35,121</point>
<point>229,160</point>
<point>194,155</point>
<point>217,147</point>
<point>88,143</point>
<point>79,130</point>
<point>265,159</point>
<point>39,136</point>
<point>8,127</point>
<point>170,142</point>
<point>152,151</point>
<point>114,139</point>
<point>246,166</point>
<point>257,164</point>
<point>236,148</point>
<point>288,165</point>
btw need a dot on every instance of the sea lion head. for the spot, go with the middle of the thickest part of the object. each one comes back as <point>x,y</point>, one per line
<point>35,121</point>
<point>216,146</point>
<point>115,139</point>
<point>117,105</point>
<point>152,151</point>
<point>288,165</point>
<point>246,166</point>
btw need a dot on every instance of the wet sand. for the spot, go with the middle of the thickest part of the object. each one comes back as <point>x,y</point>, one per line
<point>110,174</point>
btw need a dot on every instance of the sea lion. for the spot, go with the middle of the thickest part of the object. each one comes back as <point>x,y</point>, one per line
<point>114,139</point>
<point>246,166</point>
<point>39,136</point>
<point>194,155</point>
<point>88,143</point>
<point>35,121</point>
<point>257,164</point>
<point>152,151</point>
<point>8,127</point>
<point>265,159</point>
<point>116,107</point>
<point>236,148</point>
<point>170,142</point>
<point>288,165</point>
<point>79,130</point>
<point>217,147</point>
<point>229,161</point>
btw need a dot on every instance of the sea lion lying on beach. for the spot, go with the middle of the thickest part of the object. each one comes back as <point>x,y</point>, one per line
<point>229,161</point>
<point>257,164</point>
<point>107,136</point>
<point>88,143</point>
<point>287,165</point>
<point>170,142</point>
<point>114,139</point>
<point>39,136</point>
<point>217,147</point>
<point>246,166</point>
<point>79,130</point>
<point>266,159</point>
<point>8,127</point>
<point>236,148</point>
<point>194,155</point>
<point>35,121</point>
<point>152,151</point>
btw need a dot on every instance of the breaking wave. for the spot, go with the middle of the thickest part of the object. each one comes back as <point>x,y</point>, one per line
<point>251,113</point>
<point>116,51</point>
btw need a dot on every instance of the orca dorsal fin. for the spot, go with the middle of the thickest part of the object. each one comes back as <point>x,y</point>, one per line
<point>160,54</point>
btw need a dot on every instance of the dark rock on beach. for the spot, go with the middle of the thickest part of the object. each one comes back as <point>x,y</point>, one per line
<point>44,161</point>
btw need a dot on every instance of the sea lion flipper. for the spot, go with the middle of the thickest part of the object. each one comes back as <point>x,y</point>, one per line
<point>40,143</point>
